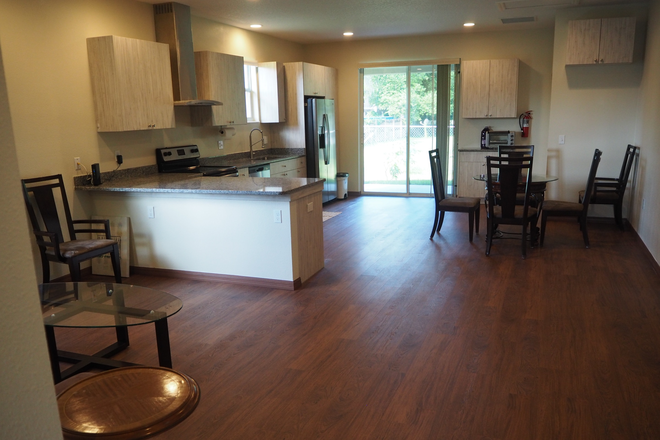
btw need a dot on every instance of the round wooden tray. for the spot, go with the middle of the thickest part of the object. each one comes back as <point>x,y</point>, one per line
<point>127,403</point>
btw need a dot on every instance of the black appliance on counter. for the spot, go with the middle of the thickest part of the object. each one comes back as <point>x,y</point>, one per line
<point>186,160</point>
<point>491,139</point>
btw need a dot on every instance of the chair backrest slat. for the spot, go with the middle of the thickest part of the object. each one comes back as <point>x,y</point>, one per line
<point>590,180</point>
<point>515,150</point>
<point>506,182</point>
<point>436,176</point>
<point>628,161</point>
<point>40,199</point>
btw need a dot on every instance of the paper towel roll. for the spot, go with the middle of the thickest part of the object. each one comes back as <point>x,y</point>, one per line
<point>227,132</point>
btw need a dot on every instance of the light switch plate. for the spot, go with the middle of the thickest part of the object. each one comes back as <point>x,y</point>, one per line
<point>277,216</point>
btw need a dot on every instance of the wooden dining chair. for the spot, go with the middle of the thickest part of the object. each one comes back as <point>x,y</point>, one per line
<point>610,190</point>
<point>471,205</point>
<point>556,208</point>
<point>515,150</point>
<point>502,186</point>
<point>42,196</point>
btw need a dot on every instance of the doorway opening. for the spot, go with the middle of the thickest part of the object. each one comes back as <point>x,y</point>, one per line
<point>406,111</point>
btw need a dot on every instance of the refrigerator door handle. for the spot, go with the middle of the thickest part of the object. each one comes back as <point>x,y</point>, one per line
<point>323,137</point>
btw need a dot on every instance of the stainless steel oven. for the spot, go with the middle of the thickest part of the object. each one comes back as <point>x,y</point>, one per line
<point>185,159</point>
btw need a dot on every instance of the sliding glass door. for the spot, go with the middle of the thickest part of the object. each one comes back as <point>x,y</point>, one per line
<point>399,127</point>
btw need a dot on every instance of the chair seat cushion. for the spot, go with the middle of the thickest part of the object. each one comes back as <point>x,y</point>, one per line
<point>459,203</point>
<point>602,197</point>
<point>518,212</point>
<point>72,248</point>
<point>557,205</point>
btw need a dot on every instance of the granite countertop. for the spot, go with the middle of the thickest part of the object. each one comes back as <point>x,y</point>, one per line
<point>147,179</point>
<point>195,184</point>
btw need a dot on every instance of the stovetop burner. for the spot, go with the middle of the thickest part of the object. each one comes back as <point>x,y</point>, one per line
<point>186,160</point>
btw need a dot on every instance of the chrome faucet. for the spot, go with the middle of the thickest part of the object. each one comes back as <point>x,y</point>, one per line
<point>254,143</point>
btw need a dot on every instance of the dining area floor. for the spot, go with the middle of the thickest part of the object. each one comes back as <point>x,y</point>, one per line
<point>402,337</point>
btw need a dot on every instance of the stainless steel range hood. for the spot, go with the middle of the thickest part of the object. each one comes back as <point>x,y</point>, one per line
<point>174,28</point>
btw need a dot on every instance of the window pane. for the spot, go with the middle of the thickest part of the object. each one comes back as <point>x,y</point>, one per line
<point>385,129</point>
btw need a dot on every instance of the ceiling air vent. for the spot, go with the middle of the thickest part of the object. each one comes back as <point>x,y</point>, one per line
<point>518,20</point>
<point>520,4</point>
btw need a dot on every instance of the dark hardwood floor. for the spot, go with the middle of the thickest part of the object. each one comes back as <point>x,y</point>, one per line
<point>400,337</point>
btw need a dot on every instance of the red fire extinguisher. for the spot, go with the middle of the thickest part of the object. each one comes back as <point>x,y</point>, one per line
<point>523,121</point>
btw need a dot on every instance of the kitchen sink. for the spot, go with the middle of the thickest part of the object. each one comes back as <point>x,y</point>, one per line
<point>269,157</point>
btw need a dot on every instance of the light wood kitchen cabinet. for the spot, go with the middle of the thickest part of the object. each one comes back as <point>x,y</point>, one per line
<point>131,84</point>
<point>600,41</point>
<point>470,164</point>
<point>489,88</point>
<point>289,168</point>
<point>220,77</point>
<point>330,83</point>
<point>272,107</point>
<point>291,134</point>
<point>314,79</point>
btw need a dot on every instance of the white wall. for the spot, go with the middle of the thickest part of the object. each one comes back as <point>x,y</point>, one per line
<point>28,409</point>
<point>232,235</point>
<point>646,207</point>
<point>593,106</point>
<point>532,48</point>
<point>50,96</point>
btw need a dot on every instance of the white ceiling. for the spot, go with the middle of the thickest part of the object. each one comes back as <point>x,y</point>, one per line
<point>314,21</point>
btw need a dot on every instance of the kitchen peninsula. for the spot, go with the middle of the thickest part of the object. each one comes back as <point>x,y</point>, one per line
<point>248,230</point>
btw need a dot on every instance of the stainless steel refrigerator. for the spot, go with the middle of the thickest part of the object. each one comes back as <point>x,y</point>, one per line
<point>321,145</point>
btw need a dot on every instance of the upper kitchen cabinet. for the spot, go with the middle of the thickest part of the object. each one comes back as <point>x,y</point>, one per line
<point>131,83</point>
<point>313,79</point>
<point>330,83</point>
<point>271,92</point>
<point>490,88</point>
<point>600,41</point>
<point>220,77</point>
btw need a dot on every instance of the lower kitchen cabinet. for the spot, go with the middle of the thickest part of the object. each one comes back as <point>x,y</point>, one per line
<point>470,164</point>
<point>289,168</point>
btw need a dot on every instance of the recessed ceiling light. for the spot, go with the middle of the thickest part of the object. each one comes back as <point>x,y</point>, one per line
<point>468,24</point>
<point>255,26</point>
<point>348,34</point>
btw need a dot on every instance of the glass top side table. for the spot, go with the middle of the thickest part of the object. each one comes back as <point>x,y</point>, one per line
<point>99,305</point>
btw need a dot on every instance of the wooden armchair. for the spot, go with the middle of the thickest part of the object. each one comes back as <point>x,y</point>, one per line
<point>558,208</point>
<point>42,197</point>
<point>503,183</point>
<point>471,205</point>
<point>610,190</point>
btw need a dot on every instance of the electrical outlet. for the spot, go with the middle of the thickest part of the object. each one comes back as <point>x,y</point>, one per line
<point>76,163</point>
<point>265,142</point>
<point>310,207</point>
<point>221,145</point>
<point>117,153</point>
<point>151,213</point>
<point>277,216</point>
<point>562,139</point>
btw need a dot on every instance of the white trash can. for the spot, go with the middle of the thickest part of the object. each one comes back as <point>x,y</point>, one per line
<point>342,185</point>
